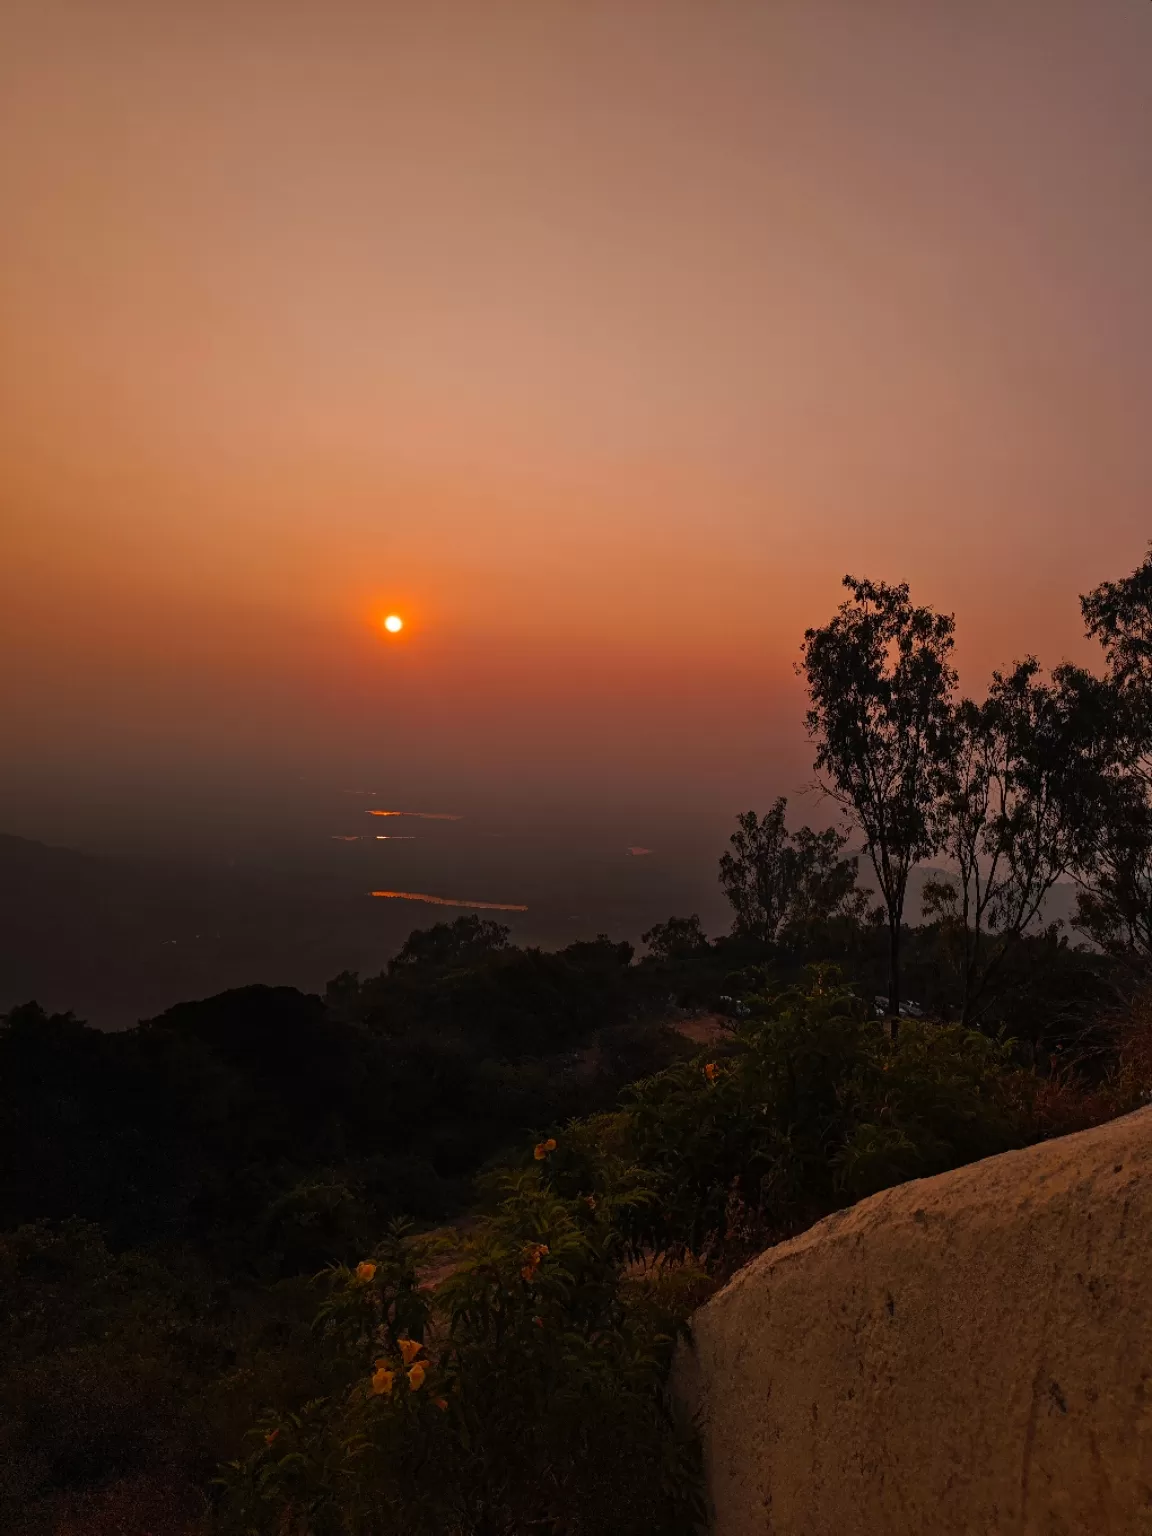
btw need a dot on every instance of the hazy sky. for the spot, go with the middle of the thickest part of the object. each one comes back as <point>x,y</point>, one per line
<point>598,338</point>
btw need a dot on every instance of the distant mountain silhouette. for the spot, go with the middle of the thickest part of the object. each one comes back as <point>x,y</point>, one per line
<point>1060,905</point>
<point>117,941</point>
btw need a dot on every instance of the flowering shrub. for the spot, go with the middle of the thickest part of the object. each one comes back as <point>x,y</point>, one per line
<point>525,1393</point>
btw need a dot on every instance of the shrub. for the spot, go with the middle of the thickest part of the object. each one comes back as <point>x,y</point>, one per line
<point>1109,1075</point>
<point>525,1394</point>
<point>810,1106</point>
<point>88,1393</point>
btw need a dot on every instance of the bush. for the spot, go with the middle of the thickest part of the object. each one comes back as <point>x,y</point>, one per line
<point>88,1393</point>
<point>1109,1075</point>
<point>126,1378</point>
<point>525,1394</point>
<point>810,1106</point>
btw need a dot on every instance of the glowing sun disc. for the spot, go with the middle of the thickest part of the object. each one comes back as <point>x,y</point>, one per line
<point>393,623</point>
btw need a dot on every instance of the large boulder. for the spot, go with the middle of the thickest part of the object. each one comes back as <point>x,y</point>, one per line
<point>969,1355</point>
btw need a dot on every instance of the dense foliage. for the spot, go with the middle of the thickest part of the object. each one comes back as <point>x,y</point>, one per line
<point>543,1324</point>
<point>311,1121</point>
<point>523,1394</point>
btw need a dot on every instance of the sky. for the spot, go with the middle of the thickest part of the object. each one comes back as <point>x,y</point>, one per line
<point>596,338</point>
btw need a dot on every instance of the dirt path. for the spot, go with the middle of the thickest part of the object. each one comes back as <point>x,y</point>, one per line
<point>705,1030</point>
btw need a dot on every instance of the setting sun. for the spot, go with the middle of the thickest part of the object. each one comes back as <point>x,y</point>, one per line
<point>393,623</point>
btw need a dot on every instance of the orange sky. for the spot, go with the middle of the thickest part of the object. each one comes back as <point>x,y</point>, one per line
<point>598,338</point>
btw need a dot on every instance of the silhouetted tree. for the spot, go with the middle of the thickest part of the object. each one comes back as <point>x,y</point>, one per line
<point>677,939</point>
<point>780,882</point>
<point>445,945</point>
<point>880,680</point>
<point>1115,906</point>
<point>1119,615</point>
<point>1017,804</point>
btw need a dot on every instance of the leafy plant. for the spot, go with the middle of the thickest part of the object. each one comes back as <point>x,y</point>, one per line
<point>524,1394</point>
<point>812,1105</point>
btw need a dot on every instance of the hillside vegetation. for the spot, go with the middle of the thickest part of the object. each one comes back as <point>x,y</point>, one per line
<point>413,1256</point>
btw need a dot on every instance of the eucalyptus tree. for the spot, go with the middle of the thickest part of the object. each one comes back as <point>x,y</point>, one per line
<point>1115,906</point>
<point>1119,615</point>
<point>880,684</point>
<point>1021,796</point>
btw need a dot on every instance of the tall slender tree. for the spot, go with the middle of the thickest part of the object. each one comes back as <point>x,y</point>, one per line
<point>880,681</point>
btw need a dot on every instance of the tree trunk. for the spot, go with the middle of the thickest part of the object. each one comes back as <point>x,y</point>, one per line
<point>968,996</point>
<point>973,981</point>
<point>894,974</point>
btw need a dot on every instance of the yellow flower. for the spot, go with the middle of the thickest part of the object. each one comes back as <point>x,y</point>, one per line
<point>543,1148</point>
<point>710,1071</point>
<point>366,1270</point>
<point>416,1376</point>
<point>536,1252</point>
<point>382,1381</point>
<point>409,1349</point>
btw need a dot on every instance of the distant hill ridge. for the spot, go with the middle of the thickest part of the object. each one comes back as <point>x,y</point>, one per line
<point>116,941</point>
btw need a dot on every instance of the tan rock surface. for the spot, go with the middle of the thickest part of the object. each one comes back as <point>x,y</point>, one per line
<point>968,1355</point>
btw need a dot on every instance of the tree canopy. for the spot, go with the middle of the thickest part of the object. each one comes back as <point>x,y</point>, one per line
<point>880,682</point>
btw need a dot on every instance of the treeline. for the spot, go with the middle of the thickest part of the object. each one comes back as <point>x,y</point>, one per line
<point>168,1193</point>
<point>1046,778</point>
<point>278,1129</point>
